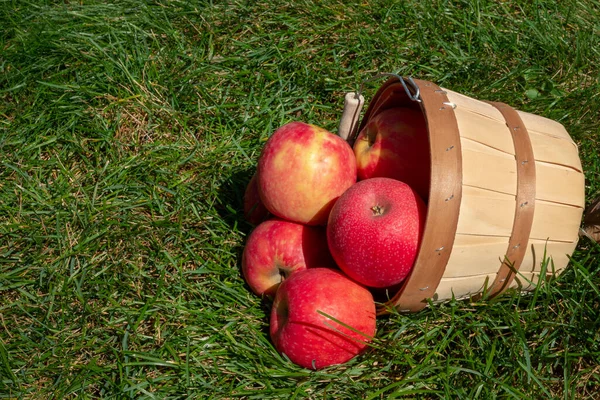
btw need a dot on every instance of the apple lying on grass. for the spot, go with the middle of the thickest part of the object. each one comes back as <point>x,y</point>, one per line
<point>395,144</point>
<point>374,231</point>
<point>320,317</point>
<point>255,211</point>
<point>302,170</point>
<point>277,249</point>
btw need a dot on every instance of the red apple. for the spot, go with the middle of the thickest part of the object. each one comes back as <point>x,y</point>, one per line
<point>313,340</point>
<point>394,144</point>
<point>374,231</point>
<point>277,248</point>
<point>302,170</point>
<point>254,210</point>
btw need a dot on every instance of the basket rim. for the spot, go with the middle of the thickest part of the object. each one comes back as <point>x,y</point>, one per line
<point>445,190</point>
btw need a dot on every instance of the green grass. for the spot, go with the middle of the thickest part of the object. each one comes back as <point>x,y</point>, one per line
<point>128,131</point>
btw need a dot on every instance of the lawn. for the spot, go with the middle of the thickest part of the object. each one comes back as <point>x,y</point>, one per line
<point>128,131</point>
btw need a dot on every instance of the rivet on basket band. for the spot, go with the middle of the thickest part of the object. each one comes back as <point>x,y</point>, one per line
<point>524,204</point>
<point>425,288</point>
<point>449,103</point>
<point>440,249</point>
<point>450,148</point>
<point>449,198</point>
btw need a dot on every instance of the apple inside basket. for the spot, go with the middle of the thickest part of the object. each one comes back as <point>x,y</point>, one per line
<point>505,195</point>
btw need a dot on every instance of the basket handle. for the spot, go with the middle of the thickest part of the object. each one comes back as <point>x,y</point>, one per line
<point>354,102</point>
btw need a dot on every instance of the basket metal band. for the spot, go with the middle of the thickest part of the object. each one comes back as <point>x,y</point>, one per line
<point>524,202</point>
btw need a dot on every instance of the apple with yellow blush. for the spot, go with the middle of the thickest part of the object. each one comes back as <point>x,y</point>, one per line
<point>277,249</point>
<point>302,170</point>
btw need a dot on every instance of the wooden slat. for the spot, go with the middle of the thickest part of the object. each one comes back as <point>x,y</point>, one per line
<point>556,221</point>
<point>486,213</point>
<point>559,252</point>
<point>547,126</point>
<point>472,286</point>
<point>560,184</point>
<point>475,255</point>
<point>555,150</point>
<point>488,168</point>
<point>484,130</point>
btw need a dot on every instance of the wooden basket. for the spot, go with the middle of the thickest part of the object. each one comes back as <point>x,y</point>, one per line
<point>507,190</point>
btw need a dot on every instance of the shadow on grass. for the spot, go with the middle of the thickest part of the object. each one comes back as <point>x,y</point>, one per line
<point>230,208</point>
<point>230,199</point>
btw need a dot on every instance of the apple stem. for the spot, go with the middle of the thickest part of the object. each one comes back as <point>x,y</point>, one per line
<point>371,135</point>
<point>283,274</point>
<point>377,210</point>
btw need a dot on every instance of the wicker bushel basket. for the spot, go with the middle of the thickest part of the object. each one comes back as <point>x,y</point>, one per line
<point>506,195</point>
